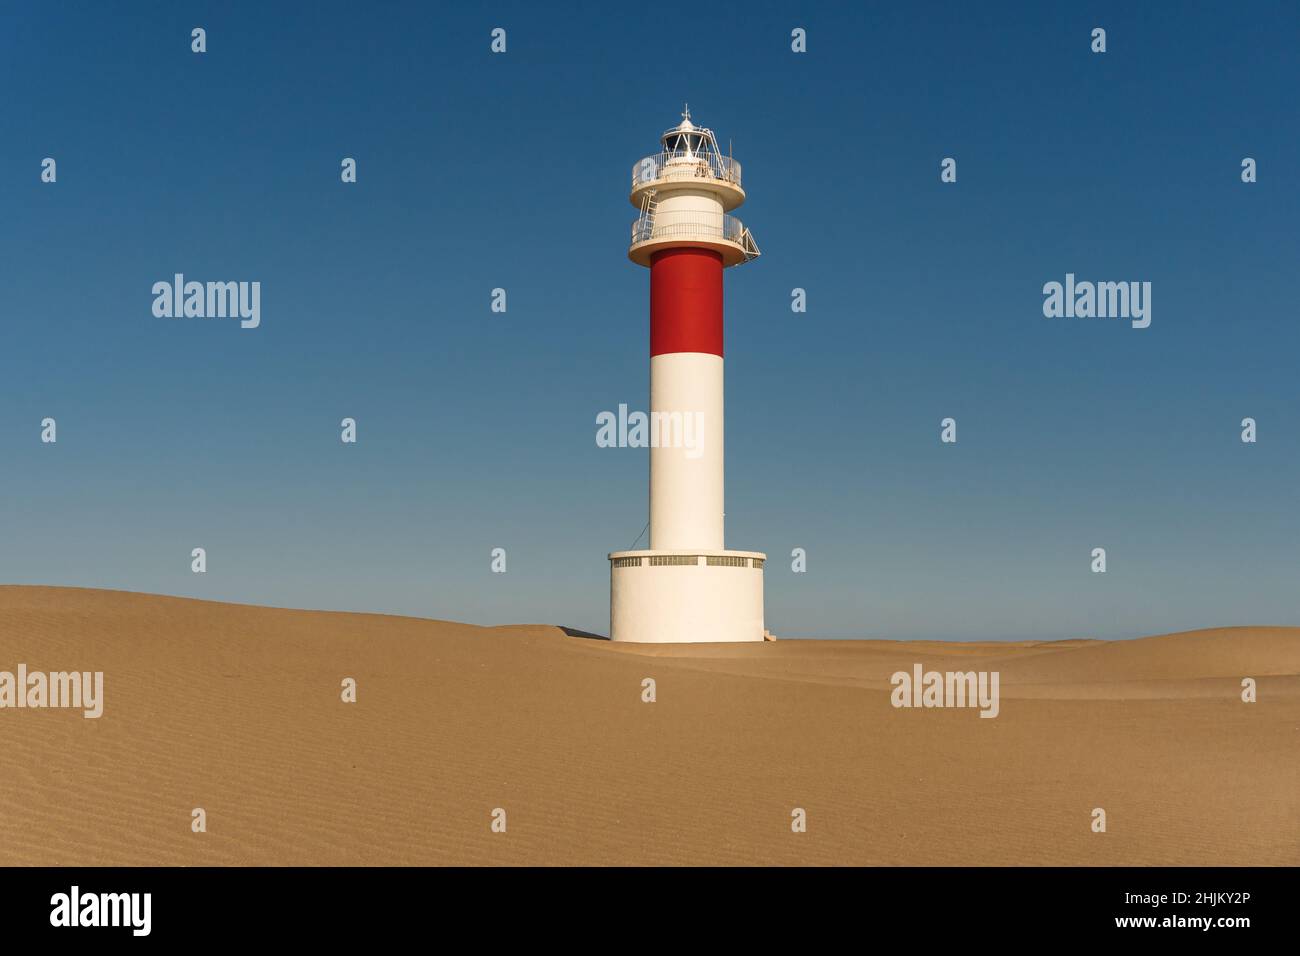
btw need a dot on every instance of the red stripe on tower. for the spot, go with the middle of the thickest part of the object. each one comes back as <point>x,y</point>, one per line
<point>686,301</point>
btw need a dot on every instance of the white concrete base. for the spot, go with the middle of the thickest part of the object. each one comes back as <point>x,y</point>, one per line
<point>679,597</point>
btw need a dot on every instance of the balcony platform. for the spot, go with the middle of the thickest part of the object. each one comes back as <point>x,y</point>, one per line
<point>676,170</point>
<point>723,234</point>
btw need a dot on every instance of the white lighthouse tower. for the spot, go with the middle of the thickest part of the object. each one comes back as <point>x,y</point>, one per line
<point>686,587</point>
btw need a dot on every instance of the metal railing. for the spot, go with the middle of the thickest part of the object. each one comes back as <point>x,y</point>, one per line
<point>691,224</point>
<point>681,164</point>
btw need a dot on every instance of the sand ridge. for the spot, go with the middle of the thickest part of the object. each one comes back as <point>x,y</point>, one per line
<point>236,709</point>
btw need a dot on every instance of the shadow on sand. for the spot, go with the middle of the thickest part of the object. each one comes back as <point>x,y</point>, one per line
<point>574,632</point>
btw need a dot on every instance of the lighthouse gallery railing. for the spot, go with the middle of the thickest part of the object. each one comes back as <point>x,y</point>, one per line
<point>680,164</point>
<point>687,224</point>
<point>693,224</point>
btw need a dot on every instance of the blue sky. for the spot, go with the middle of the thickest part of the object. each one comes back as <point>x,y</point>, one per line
<point>477,430</point>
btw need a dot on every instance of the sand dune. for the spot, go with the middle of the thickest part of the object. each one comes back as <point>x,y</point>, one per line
<point>237,710</point>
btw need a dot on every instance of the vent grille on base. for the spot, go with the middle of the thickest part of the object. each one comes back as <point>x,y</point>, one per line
<point>660,560</point>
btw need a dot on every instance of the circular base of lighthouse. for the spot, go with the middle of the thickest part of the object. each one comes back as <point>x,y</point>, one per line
<point>686,597</point>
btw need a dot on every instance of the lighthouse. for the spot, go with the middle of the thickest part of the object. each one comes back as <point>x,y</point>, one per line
<point>687,587</point>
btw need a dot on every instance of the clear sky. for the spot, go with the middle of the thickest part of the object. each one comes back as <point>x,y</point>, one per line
<point>477,430</point>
